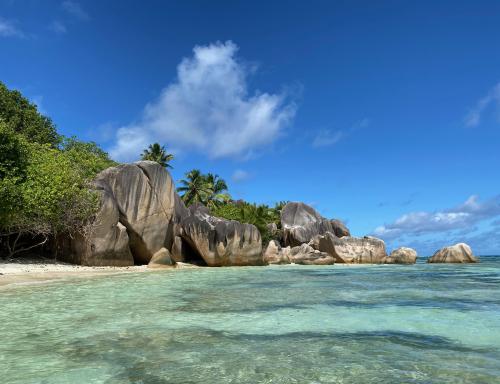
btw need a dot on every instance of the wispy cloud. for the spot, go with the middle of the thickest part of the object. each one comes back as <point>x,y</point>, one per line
<point>208,109</point>
<point>38,100</point>
<point>327,137</point>
<point>466,215</point>
<point>58,27</point>
<point>9,29</point>
<point>473,118</point>
<point>240,175</point>
<point>75,9</point>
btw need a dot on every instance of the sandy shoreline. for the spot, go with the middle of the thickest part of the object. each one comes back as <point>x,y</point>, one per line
<point>28,272</point>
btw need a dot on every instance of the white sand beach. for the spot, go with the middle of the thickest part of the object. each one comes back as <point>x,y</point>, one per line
<point>35,271</point>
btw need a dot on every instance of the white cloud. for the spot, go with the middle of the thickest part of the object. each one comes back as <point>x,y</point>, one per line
<point>474,116</point>
<point>75,9</point>
<point>240,175</point>
<point>208,109</point>
<point>57,27</point>
<point>326,137</point>
<point>8,29</point>
<point>463,216</point>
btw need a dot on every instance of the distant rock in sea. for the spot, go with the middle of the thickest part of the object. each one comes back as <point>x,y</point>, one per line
<point>402,255</point>
<point>458,253</point>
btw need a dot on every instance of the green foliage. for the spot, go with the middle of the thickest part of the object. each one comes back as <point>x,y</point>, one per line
<point>209,190</point>
<point>158,153</point>
<point>23,117</point>
<point>13,164</point>
<point>56,195</point>
<point>87,156</point>
<point>44,189</point>
<point>262,216</point>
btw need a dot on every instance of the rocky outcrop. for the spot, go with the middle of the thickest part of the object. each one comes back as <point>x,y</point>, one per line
<point>300,223</point>
<point>161,259</point>
<point>221,242</point>
<point>307,255</point>
<point>339,228</point>
<point>351,250</point>
<point>302,254</point>
<point>458,253</point>
<point>135,219</point>
<point>402,255</point>
<point>274,254</point>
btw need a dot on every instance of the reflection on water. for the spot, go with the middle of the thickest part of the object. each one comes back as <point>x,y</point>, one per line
<point>289,324</point>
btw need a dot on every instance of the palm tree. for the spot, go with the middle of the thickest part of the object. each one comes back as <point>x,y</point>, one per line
<point>195,188</point>
<point>158,153</point>
<point>218,189</point>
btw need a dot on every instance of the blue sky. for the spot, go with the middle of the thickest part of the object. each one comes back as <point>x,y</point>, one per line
<point>384,114</point>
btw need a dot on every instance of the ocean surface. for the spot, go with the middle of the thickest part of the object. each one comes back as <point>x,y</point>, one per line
<point>284,324</point>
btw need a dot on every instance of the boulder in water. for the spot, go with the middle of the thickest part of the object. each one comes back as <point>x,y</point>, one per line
<point>458,253</point>
<point>402,255</point>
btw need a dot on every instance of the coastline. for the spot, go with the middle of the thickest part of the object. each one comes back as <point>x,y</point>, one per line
<point>36,271</point>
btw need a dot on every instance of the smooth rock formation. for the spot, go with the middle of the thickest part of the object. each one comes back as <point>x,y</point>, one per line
<point>351,250</point>
<point>135,219</point>
<point>161,259</point>
<point>221,242</point>
<point>458,253</point>
<point>402,255</point>
<point>305,254</point>
<point>339,228</point>
<point>300,223</point>
<point>106,243</point>
<point>274,254</point>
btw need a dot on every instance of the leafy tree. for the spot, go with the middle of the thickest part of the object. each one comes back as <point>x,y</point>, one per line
<point>158,153</point>
<point>53,197</point>
<point>24,118</point>
<point>87,156</point>
<point>194,188</point>
<point>13,164</point>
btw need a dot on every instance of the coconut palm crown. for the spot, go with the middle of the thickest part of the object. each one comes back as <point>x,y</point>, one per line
<point>158,153</point>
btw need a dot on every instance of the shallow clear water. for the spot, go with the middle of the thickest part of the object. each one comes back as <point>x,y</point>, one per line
<point>286,324</point>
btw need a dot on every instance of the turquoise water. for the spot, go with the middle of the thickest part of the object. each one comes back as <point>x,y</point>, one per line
<point>283,324</point>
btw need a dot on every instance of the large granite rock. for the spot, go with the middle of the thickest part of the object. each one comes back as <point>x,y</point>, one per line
<point>300,223</point>
<point>105,242</point>
<point>339,228</point>
<point>274,254</point>
<point>135,219</point>
<point>402,255</point>
<point>221,242</point>
<point>458,253</point>
<point>307,255</point>
<point>161,259</point>
<point>351,250</point>
<point>302,254</point>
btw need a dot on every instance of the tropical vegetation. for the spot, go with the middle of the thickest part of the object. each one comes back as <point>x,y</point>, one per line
<point>44,177</point>
<point>158,153</point>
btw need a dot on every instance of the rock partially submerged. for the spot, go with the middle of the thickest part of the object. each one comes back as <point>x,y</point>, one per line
<point>458,253</point>
<point>300,223</point>
<point>402,255</point>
